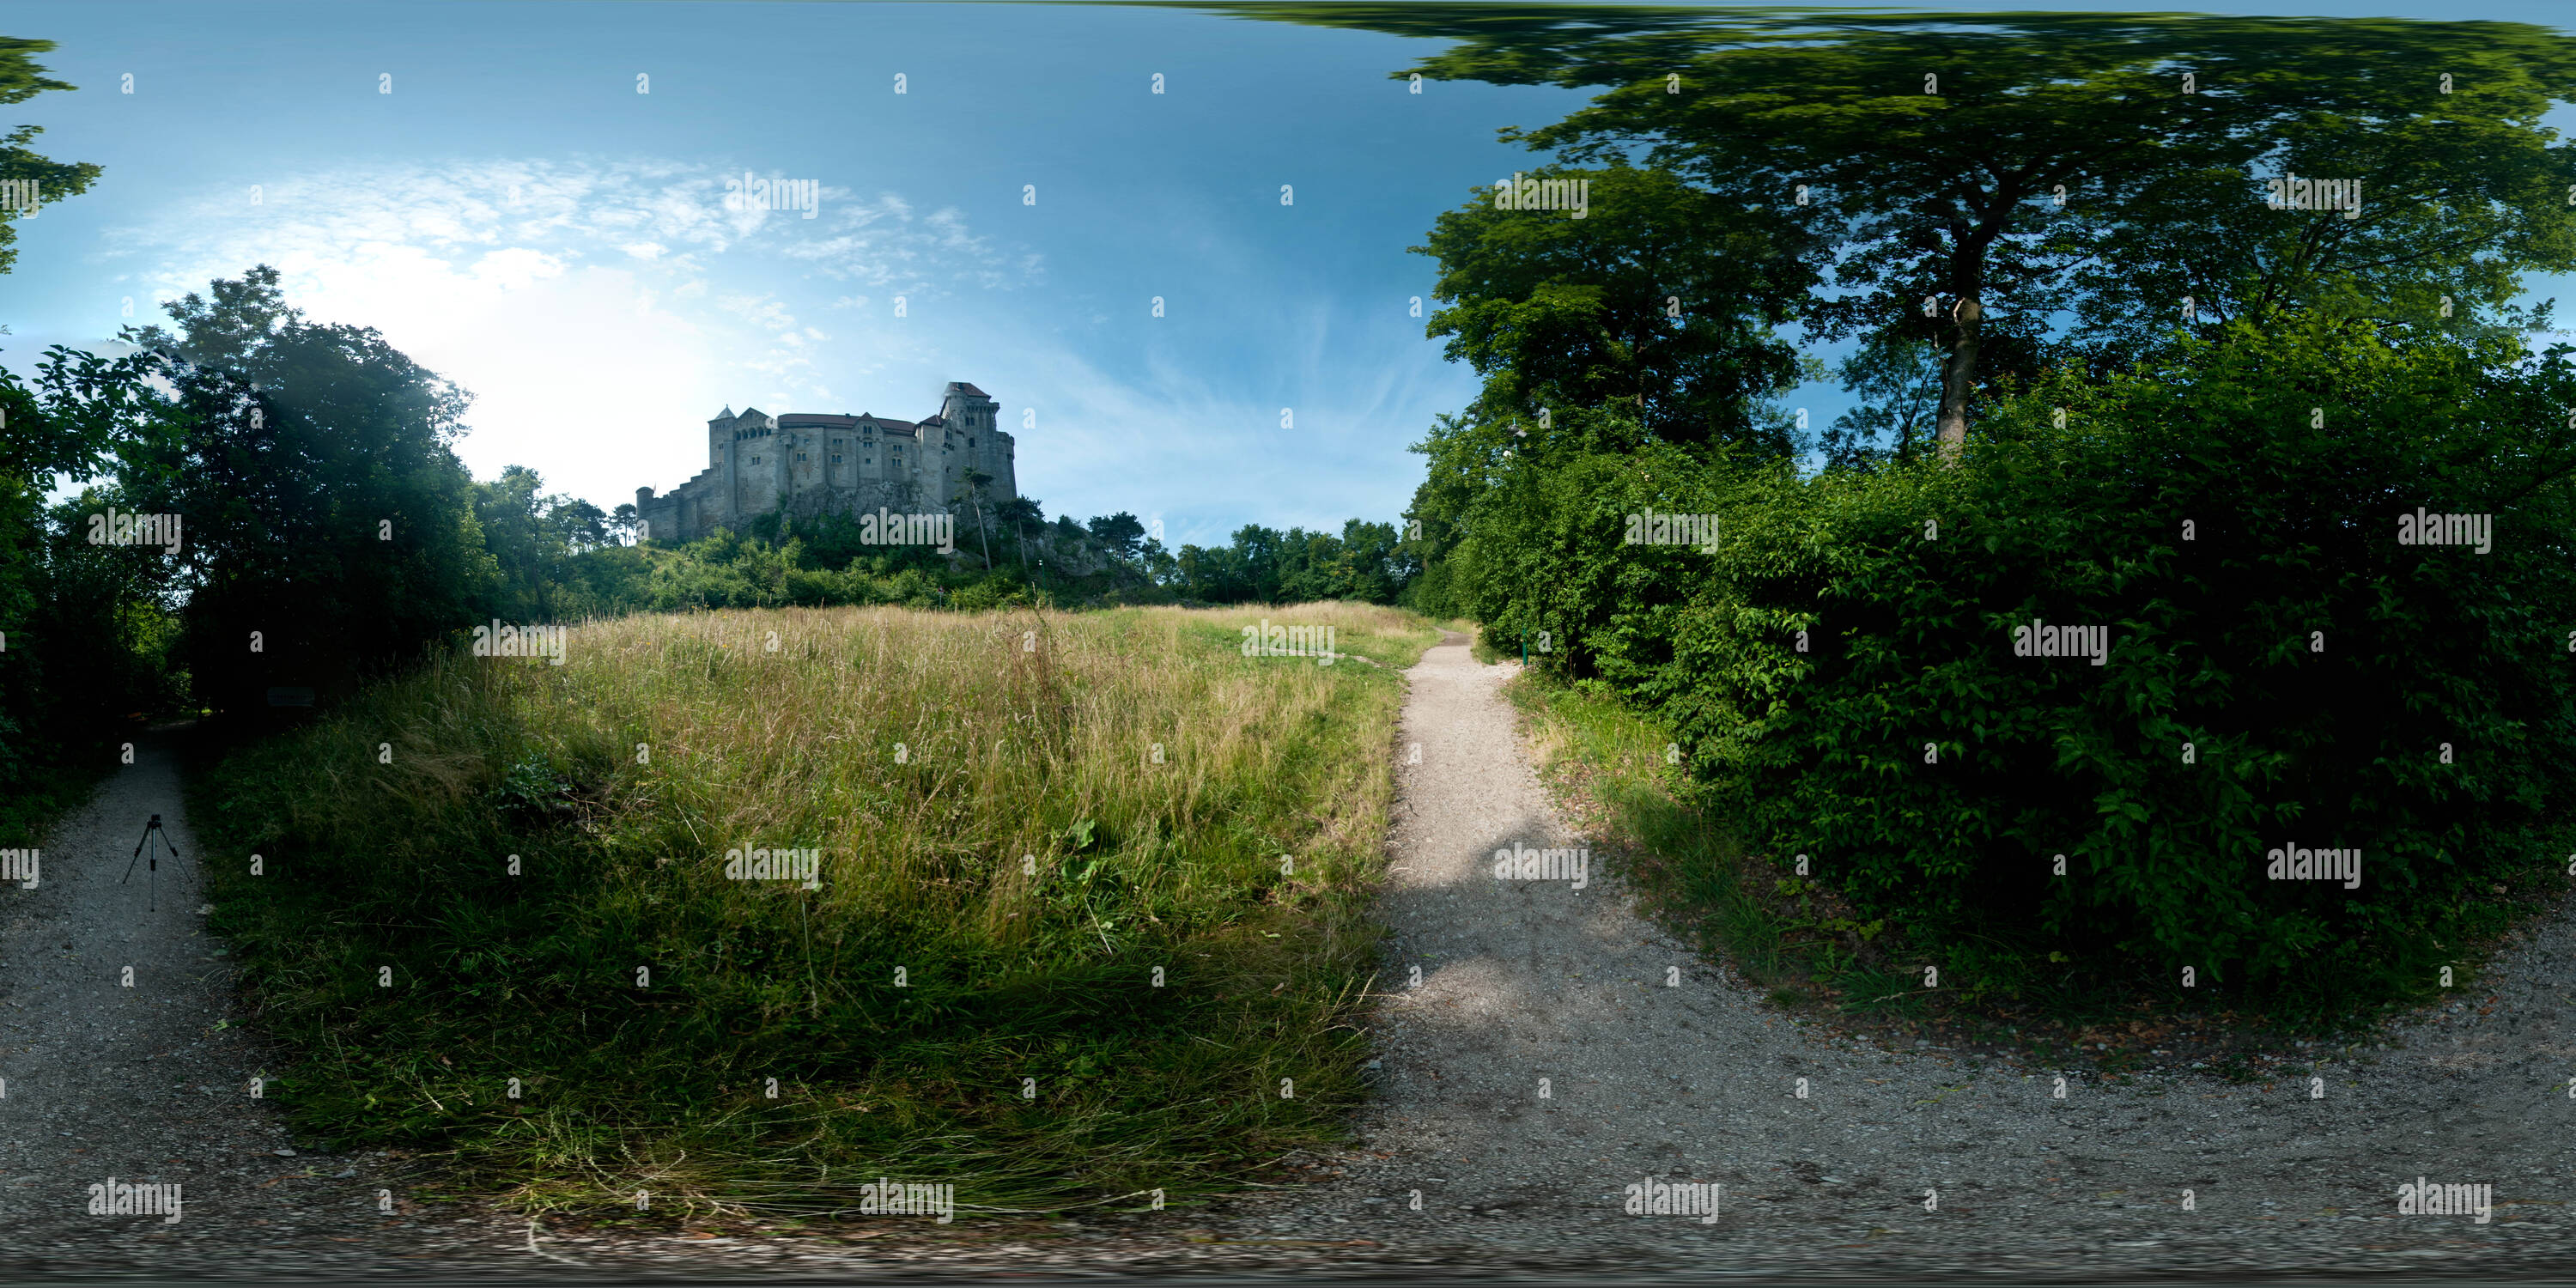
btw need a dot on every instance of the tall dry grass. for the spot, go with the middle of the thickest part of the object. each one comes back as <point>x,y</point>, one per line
<point>1019,818</point>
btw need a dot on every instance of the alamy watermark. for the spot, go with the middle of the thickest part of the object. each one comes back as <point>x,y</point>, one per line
<point>2425,529</point>
<point>1267,640</point>
<point>19,198</point>
<point>2423,1198</point>
<point>2290,192</point>
<point>2295,863</point>
<point>885,528</point>
<point>123,528</point>
<point>1649,528</point>
<point>2039,639</point>
<point>115,1198</point>
<point>753,193</point>
<point>1522,192</point>
<point>775,865</point>
<point>1651,1197</point>
<point>497,640</point>
<point>883,1197</point>
<point>20,866</point>
<point>1522,863</point>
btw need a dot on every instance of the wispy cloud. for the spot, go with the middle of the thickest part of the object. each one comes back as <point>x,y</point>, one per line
<point>654,212</point>
<point>591,307</point>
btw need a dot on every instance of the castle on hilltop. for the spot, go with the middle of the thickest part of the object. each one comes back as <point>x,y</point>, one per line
<point>810,464</point>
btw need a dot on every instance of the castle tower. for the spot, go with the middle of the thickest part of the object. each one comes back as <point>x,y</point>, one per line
<point>974,441</point>
<point>813,463</point>
<point>719,433</point>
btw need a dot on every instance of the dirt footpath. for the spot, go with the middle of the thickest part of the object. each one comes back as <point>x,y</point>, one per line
<point>124,1059</point>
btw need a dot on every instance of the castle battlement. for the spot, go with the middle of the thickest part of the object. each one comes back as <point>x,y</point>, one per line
<point>812,463</point>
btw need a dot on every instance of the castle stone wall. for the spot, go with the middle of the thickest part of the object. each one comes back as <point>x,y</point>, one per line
<point>810,464</point>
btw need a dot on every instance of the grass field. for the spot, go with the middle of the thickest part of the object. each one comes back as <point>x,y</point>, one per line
<point>1088,921</point>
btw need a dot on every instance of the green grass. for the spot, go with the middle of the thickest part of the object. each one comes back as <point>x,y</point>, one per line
<point>1025,815</point>
<point>1798,941</point>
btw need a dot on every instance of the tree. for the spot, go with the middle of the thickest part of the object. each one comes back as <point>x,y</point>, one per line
<point>1018,515</point>
<point>31,180</point>
<point>1159,565</point>
<point>975,481</point>
<point>66,609</point>
<point>1661,295</point>
<point>1975,174</point>
<point>624,525</point>
<point>1120,532</point>
<point>85,624</point>
<point>1900,377</point>
<point>331,531</point>
<point>533,538</point>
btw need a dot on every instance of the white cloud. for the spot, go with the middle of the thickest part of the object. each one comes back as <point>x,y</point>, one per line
<point>564,295</point>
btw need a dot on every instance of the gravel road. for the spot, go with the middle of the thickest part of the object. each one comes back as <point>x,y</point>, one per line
<point>1911,1163</point>
<point>123,1059</point>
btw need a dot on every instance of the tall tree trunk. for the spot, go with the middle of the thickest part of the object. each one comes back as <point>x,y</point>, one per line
<point>1958,375</point>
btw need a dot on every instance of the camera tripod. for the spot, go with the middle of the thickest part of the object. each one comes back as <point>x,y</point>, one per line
<point>153,871</point>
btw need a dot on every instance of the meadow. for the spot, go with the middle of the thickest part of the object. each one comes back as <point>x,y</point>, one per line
<point>1087,919</point>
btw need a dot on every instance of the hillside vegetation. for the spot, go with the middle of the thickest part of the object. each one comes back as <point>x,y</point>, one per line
<point>501,868</point>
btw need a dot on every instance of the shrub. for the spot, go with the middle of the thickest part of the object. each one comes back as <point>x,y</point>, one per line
<point>2335,688</point>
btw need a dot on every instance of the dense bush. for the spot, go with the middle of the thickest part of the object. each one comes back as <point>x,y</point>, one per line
<point>2337,689</point>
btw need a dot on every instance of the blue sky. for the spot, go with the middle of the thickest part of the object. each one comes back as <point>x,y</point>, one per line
<point>518,218</point>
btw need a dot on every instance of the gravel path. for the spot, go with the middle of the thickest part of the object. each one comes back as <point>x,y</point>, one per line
<point>1521,981</point>
<point>148,1083</point>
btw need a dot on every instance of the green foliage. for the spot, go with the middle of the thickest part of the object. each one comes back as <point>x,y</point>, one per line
<point>534,540</point>
<point>21,79</point>
<point>2025,212</point>
<point>1822,750</point>
<point>1662,295</point>
<point>1367,563</point>
<point>77,624</point>
<point>1120,532</point>
<point>88,632</point>
<point>325,509</point>
<point>1932,147</point>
